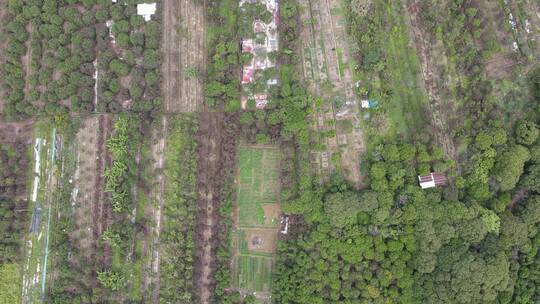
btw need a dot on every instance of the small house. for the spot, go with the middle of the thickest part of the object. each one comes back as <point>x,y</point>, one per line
<point>432,180</point>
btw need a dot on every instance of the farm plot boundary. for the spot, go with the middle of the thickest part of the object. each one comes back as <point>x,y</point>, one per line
<point>257,218</point>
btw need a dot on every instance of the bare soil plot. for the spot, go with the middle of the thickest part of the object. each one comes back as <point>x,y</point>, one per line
<point>260,240</point>
<point>152,275</point>
<point>184,55</point>
<point>327,71</point>
<point>11,132</point>
<point>84,198</point>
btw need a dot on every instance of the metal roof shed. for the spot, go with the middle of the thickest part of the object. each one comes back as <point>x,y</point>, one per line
<point>432,180</point>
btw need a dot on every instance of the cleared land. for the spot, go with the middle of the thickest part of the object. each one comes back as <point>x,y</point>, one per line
<point>184,55</point>
<point>256,220</point>
<point>152,273</point>
<point>11,132</point>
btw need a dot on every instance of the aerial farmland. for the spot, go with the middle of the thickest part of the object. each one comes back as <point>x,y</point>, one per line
<point>269,151</point>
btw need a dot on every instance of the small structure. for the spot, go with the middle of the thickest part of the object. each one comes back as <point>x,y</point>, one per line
<point>261,100</point>
<point>432,180</point>
<point>146,10</point>
<point>247,45</point>
<point>247,74</point>
<point>259,26</point>
<point>369,103</point>
<point>271,5</point>
<point>272,81</point>
<point>285,224</point>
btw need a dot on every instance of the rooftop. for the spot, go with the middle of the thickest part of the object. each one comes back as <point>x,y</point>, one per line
<point>146,10</point>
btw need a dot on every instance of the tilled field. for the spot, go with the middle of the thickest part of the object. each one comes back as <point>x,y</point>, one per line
<point>184,55</point>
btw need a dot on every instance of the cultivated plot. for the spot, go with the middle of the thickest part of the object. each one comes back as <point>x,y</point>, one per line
<point>327,70</point>
<point>44,182</point>
<point>184,59</point>
<point>257,218</point>
<point>258,187</point>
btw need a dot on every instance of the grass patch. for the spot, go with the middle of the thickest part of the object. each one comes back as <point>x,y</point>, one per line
<point>255,273</point>
<point>258,184</point>
<point>408,99</point>
<point>341,65</point>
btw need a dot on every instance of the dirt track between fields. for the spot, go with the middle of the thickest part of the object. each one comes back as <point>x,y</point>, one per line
<point>184,39</point>
<point>209,167</point>
<point>152,277</point>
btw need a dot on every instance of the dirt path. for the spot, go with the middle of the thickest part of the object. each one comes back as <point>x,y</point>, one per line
<point>184,46</point>
<point>439,108</point>
<point>25,61</point>
<point>209,180</point>
<point>152,277</point>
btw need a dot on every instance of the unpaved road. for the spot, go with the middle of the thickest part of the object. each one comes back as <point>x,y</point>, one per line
<point>184,39</point>
<point>209,166</point>
<point>158,155</point>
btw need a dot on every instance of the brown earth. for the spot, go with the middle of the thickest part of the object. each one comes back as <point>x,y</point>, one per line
<point>184,39</point>
<point>271,213</point>
<point>152,275</point>
<point>216,158</point>
<point>500,66</point>
<point>11,132</point>
<point>209,153</point>
<point>262,240</point>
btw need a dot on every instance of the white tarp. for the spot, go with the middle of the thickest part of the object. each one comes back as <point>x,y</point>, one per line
<point>146,10</point>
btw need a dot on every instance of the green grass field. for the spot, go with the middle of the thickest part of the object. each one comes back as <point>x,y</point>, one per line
<point>408,99</point>
<point>254,273</point>
<point>258,187</point>
<point>258,184</point>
